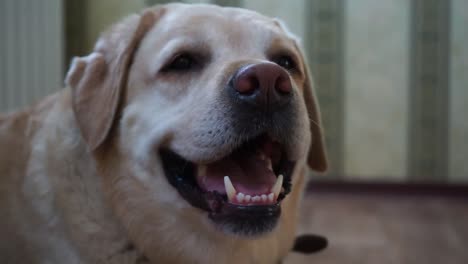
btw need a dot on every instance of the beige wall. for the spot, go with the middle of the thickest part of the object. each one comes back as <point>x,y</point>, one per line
<point>376,75</point>
<point>103,13</point>
<point>292,12</point>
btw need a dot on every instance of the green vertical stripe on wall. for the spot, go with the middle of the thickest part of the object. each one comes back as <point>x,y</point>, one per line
<point>429,90</point>
<point>75,29</point>
<point>324,46</point>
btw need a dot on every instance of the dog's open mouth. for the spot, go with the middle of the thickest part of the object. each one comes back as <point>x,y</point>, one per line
<point>241,191</point>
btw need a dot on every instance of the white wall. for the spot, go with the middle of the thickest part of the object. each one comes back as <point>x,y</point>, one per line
<point>31,51</point>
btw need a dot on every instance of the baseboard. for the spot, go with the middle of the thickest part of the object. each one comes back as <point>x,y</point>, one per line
<point>389,188</point>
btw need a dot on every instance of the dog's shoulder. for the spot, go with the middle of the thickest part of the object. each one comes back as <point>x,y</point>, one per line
<point>13,141</point>
<point>17,129</point>
<point>44,171</point>
<point>20,132</point>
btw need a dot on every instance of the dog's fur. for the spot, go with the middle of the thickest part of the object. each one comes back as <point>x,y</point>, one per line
<point>80,177</point>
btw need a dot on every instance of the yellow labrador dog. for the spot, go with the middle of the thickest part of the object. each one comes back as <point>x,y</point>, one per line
<point>184,137</point>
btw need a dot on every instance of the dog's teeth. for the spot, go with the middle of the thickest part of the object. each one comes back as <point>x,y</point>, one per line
<point>269,165</point>
<point>247,198</point>
<point>240,197</point>
<point>277,187</point>
<point>271,197</point>
<point>256,199</point>
<point>264,198</point>
<point>230,191</point>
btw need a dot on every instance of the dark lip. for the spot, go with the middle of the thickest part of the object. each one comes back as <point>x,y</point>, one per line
<point>180,174</point>
<point>248,220</point>
<point>241,219</point>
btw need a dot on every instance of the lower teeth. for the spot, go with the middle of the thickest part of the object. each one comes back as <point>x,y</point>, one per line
<point>233,196</point>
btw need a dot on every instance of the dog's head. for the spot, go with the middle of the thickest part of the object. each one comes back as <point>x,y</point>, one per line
<point>198,116</point>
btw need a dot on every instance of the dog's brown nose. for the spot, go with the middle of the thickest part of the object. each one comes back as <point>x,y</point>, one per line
<point>264,84</point>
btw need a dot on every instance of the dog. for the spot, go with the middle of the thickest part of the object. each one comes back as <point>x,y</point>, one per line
<point>183,137</point>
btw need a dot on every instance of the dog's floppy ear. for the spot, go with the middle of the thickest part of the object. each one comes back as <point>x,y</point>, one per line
<point>98,80</point>
<point>317,158</point>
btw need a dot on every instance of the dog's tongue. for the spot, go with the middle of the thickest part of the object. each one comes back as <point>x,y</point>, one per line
<point>249,172</point>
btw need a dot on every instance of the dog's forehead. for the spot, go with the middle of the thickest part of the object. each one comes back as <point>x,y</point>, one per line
<point>191,15</point>
<point>222,26</point>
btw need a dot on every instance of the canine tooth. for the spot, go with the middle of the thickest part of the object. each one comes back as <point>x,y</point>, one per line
<point>240,197</point>
<point>277,187</point>
<point>271,197</point>
<point>269,165</point>
<point>247,198</point>
<point>230,191</point>
<point>264,197</point>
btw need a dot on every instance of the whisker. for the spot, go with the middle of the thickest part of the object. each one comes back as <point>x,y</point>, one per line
<point>314,122</point>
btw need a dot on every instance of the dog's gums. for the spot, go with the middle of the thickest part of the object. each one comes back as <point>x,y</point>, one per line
<point>242,191</point>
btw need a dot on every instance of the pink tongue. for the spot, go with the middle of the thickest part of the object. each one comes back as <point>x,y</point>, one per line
<point>248,173</point>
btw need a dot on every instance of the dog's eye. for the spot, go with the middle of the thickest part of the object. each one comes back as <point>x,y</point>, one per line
<point>286,62</point>
<point>181,63</point>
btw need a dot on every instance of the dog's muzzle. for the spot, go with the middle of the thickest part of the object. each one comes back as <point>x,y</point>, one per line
<point>243,188</point>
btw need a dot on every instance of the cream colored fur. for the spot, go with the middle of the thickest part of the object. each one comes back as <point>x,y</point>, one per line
<point>77,187</point>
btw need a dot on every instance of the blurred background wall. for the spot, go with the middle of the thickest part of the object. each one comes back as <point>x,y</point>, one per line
<point>391,75</point>
<point>31,50</point>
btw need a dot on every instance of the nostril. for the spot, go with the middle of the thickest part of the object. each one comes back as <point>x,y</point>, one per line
<point>246,84</point>
<point>283,85</point>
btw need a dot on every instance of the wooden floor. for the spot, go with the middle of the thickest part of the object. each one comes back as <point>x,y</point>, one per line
<point>386,229</point>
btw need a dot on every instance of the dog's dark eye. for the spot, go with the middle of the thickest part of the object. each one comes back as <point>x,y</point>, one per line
<point>181,63</point>
<point>286,62</point>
